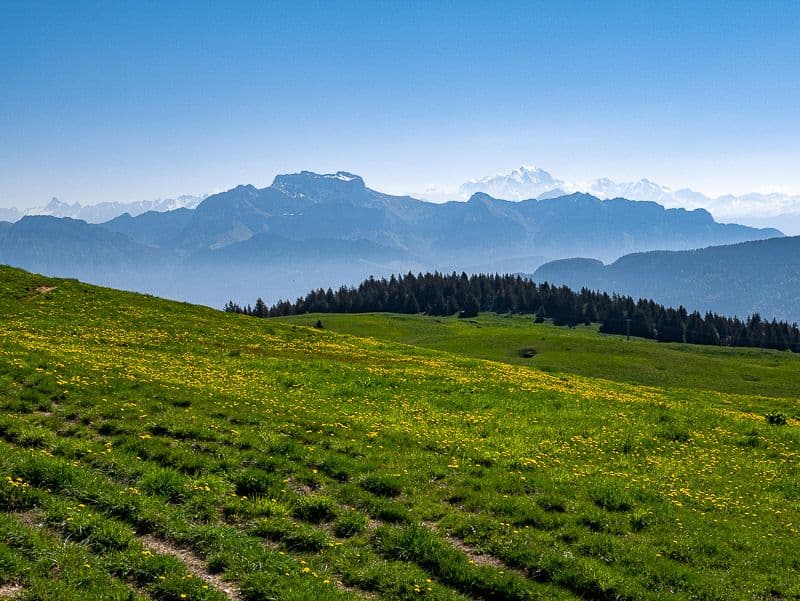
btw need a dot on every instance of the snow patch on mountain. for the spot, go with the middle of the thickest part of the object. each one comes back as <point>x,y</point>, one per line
<point>525,182</point>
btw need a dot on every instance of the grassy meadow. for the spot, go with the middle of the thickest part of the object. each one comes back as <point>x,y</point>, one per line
<point>158,450</point>
<point>580,350</point>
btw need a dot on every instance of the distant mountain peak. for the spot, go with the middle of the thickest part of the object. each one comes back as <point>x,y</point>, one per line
<point>526,181</point>
<point>554,193</point>
<point>480,197</point>
<point>56,205</point>
<point>289,181</point>
<point>322,187</point>
<point>104,211</point>
<point>530,181</point>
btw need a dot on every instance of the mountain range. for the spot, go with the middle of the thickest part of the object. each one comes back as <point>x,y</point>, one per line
<point>759,210</point>
<point>100,212</point>
<point>776,210</point>
<point>735,280</point>
<point>318,230</point>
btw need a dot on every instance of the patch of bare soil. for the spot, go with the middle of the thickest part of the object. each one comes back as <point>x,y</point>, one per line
<point>29,518</point>
<point>9,591</point>
<point>194,565</point>
<point>475,556</point>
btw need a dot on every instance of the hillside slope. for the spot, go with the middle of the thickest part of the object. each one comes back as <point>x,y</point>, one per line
<point>739,279</point>
<point>581,350</point>
<point>152,449</point>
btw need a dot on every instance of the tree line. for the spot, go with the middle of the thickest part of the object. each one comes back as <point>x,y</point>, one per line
<point>450,294</point>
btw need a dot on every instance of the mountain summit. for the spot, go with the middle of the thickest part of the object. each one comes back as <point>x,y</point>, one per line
<point>320,187</point>
<point>519,184</point>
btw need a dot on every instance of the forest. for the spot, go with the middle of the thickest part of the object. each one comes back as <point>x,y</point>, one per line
<point>466,295</point>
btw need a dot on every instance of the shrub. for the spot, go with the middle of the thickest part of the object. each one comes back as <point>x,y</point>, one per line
<point>107,535</point>
<point>335,467</point>
<point>45,472</point>
<point>16,494</point>
<point>776,419</point>
<point>641,519</point>
<point>423,547</point>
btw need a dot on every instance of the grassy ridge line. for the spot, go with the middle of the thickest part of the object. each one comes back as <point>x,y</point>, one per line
<point>603,486</point>
<point>581,350</point>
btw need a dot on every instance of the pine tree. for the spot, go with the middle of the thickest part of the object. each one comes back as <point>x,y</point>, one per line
<point>260,309</point>
<point>471,307</point>
<point>411,305</point>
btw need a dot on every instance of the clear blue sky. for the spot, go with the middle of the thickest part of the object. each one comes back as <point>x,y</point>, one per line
<point>104,101</point>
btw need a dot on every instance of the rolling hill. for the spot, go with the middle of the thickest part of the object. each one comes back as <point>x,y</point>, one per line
<point>581,350</point>
<point>740,279</point>
<point>158,450</point>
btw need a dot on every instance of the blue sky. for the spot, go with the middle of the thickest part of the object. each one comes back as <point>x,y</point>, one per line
<point>104,101</point>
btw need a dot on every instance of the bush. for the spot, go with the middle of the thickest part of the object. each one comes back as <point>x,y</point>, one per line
<point>641,519</point>
<point>16,494</point>
<point>107,535</point>
<point>776,418</point>
<point>335,467</point>
<point>423,547</point>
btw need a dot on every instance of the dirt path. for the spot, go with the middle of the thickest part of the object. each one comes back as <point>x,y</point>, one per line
<point>475,556</point>
<point>195,566</point>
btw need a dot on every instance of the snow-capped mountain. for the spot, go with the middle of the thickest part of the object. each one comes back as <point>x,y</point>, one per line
<point>753,209</point>
<point>772,210</point>
<point>104,211</point>
<point>644,189</point>
<point>520,184</point>
<point>9,214</point>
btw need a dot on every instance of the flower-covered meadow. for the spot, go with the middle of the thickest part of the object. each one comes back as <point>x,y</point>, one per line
<point>157,450</point>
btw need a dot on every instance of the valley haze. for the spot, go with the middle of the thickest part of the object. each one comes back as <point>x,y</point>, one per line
<point>310,230</point>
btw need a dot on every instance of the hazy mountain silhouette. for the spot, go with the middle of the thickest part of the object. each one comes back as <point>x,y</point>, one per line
<point>308,230</point>
<point>761,276</point>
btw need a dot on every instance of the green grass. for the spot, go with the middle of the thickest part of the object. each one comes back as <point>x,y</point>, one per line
<point>580,350</point>
<point>295,463</point>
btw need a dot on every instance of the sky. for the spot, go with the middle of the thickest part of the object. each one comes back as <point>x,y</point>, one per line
<point>130,101</point>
